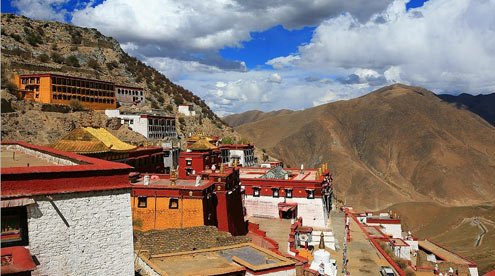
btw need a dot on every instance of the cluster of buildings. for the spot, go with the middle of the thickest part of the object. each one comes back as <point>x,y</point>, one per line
<point>403,250</point>
<point>75,206</point>
<point>93,204</point>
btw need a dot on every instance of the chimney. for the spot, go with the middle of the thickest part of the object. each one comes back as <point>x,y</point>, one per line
<point>302,168</point>
<point>146,179</point>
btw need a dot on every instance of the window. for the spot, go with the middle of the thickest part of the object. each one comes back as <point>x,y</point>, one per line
<point>174,203</point>
<point>166,153</point>
<point>256,191</point>
<point>311,194</point>
<point>14,226</point>
<point>288,193</point>
<point>188,162</point>
<point>275,192</point>
<point>142,202</point>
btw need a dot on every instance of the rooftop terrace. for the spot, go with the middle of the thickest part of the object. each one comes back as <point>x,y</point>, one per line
<point>17,156</point>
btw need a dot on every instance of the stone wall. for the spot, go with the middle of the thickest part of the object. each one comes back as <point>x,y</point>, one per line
<point>82,233</point>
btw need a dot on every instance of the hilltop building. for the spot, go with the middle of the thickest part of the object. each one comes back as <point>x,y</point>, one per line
<point>69,213</point>
<point>59,89</point>
<point>241,154</point>
<point>127,95</point>
<point>99,143</point>
<point>151,126</point>
<point>186,110</point>
<point>212,198</point>
<point>288,193</point>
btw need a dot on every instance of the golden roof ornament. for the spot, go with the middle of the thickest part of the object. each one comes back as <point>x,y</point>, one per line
<point>173,178</point>
<point>222,168</point>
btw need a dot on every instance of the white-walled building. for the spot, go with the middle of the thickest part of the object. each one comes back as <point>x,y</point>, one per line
<point>127,95</point>
<point>150,126</point>
<point>187,110</point>
<point>244,154</point>
<point>70,213</point>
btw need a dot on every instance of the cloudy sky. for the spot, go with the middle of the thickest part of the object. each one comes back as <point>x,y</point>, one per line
<point>240,55</point>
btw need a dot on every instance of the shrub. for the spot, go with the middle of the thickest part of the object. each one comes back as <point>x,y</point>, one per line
<point>56,57</point>
<point>182,121</point>
<point>32,38</point>
<point>44,57</point>
<point>76,105</point>
<point>227,140</point>
<point>154,105</point>
<point>112,65</point>
<point>16,37</point>
<point>169,108</point>
<point>178,99</point>
<point>10,87</point>
<point>76,36</point>
<point>72,61</point>
<point>93,63</point>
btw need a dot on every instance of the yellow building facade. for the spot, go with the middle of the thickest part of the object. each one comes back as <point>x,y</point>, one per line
<point>158,213</point>
<point>59,89</point>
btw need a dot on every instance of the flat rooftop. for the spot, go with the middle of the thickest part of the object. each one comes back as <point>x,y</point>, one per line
<point>164,182</point>
<point>294,174</point>
<point>443,253</point>
<point>219,260</point>
<point>17,156</point>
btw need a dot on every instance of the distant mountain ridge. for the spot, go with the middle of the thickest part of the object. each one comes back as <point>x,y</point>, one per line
<point>250,116</point>
<point>483,105</point>
<point>398,143</point>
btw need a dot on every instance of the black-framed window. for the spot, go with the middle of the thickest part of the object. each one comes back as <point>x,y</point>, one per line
<point>188,162</point>
<point>288,193</point>
<point>276,192</point>
<point>142,202</point>
<point>256,191</point>
<point>173,203</point>
<point>14,226</point>
<point>311,194</point>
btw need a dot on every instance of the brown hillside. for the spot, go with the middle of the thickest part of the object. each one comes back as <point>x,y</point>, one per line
<point>250,116</point>
<point>35,46</point>
<point>396,144</point>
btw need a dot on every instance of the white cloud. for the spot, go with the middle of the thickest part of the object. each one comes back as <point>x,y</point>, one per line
<point>445,45</point>
<point>41,9</point>
<point>196,30</point>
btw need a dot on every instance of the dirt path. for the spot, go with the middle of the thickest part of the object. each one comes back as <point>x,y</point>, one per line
<point>483,229</point>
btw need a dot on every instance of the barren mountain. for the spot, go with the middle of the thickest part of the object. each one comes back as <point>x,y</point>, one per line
<point>396,144</point>
<point>483,105</point>
<point>250,116</point>
<point>35,46</point>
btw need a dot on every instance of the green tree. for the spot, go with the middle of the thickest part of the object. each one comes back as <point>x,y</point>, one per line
<point>72,61</point>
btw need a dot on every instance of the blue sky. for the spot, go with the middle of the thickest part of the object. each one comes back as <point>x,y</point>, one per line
<point>241,55</point>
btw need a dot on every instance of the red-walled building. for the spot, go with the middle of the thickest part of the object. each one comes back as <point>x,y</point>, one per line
<point>288,193</point>
<point>202,155</point>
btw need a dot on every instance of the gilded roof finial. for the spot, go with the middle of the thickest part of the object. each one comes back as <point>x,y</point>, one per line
<point>173,177</point>
<point>322,241</point>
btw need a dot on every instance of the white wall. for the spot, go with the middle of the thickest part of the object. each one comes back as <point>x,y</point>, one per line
<point>289,272</point>
<point>473,271</point>
<point>97,241</point>
<point>311,210</point>
<point>403,252</point>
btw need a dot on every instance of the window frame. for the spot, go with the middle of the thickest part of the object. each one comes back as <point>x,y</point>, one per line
<point>140,202</point>
<point>21,213</point>
<point>173,203</point>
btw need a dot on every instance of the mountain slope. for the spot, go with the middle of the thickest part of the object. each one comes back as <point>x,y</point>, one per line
<point>250,116</point>
<point>483,105</point>
<point>35,46</point>
<point>396,144</point>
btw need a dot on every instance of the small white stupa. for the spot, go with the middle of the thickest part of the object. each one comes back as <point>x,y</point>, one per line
<point>321,260</point>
